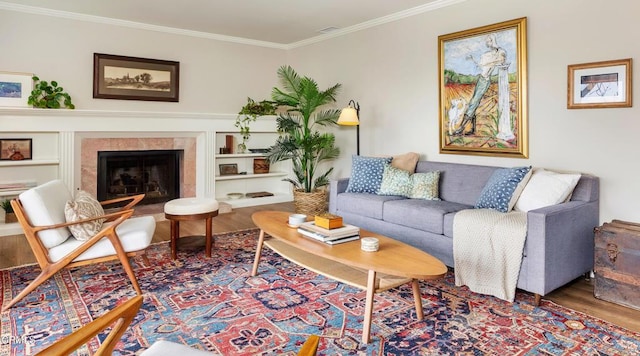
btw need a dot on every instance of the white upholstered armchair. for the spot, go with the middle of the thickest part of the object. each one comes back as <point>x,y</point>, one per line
<point>41,213</point>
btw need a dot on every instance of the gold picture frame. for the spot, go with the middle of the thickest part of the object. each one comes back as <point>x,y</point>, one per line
<point>605,84</point>
<point>483,90</point>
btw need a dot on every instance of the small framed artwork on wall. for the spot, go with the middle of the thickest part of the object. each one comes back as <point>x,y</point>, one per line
<point>15,149</point>
<point>132,78</point>
<point>604,84</point>
<point>15,88</point>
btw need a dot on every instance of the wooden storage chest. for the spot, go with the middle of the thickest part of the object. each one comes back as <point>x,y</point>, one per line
<point>617,263</point>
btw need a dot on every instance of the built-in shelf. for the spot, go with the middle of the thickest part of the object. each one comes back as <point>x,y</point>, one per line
<point>239,155</point>
<point>250,176</point>
<point>10,229</point>
<point>245,202</point>
<point>10,193</point>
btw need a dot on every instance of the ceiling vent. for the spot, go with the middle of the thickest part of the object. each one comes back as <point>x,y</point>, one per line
<point>328,29</point>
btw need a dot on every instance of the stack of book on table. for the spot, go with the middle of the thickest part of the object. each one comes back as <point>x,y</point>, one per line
<point>334,236</point>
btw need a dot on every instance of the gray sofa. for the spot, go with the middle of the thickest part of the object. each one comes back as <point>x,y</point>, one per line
<point>560,240</point>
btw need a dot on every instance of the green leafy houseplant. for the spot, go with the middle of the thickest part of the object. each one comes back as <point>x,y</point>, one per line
<point>300,141</point>
<point>48,95</point>
<point>248,114</point>
<point>6,206</point>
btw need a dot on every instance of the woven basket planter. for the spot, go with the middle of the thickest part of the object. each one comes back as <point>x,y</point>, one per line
<point>311,204</point>
<point>10,218</point>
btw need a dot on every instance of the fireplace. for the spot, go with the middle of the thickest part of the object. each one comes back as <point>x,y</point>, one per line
<point>153,172</point>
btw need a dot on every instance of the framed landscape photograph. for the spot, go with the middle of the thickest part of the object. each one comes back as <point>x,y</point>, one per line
<point>132,78</point>
<point>15,89</point>
<point>604,84</point>
<point>15,149</point>
<point>483,84</point>
<point>228,169</point>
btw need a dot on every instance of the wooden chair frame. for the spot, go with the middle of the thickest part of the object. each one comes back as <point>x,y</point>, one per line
<point>122,315</point>
<point>50,268</point>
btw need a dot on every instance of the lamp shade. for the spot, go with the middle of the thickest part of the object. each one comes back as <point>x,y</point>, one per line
<point>348,117</point>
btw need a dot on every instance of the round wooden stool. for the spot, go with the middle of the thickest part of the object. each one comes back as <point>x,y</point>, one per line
<point>185,209</point>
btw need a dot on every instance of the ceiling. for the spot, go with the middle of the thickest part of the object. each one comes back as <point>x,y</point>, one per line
<point>279,22</point>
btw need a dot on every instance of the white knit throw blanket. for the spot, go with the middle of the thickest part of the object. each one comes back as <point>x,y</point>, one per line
<point>487,250</point>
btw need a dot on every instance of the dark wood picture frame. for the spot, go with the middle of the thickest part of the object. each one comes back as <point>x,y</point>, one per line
<point>228,169</point>
<point>133,78</point>
<point>15,149</point>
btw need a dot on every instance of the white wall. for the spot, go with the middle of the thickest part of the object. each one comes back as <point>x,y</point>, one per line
<point>392,70</point>
<point>215,76</point>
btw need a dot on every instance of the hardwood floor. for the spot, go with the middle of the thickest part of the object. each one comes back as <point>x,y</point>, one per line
<point>578,295</point>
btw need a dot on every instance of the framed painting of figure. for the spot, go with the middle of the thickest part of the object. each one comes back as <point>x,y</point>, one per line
<point>483,83</point>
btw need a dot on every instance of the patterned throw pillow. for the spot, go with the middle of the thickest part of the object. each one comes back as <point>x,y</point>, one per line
<point>395,181</point>
<point>425,186</point>
<point>84,207</point>
<point>366,174</point>
<point>502,190</point>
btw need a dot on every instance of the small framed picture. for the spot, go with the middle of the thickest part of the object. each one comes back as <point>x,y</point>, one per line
<point>604,84</point>
<point>15,89</point>
<point>15,149</point>
<point>132,78</point>
<point>228,169</point>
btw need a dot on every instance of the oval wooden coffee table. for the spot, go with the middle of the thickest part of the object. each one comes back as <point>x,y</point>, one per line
<point>394,264</point>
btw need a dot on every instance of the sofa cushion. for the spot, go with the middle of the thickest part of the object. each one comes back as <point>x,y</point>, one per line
<point>425,186</point>
<point>395,181</point>
<point>84,207</point>
<point>368,205</point>
<point>501,191</point>
<point>546,188</point>
<point>44,205</point>
<point>366,174</point>
<point>426,215</point>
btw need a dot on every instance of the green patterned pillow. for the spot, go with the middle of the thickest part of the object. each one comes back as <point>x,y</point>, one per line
<point>425,186</point>
<point>395,181</point>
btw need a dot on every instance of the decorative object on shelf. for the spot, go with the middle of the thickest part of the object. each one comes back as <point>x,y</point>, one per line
<point>132,78</point>
<point>260,165</point>
<point>235,195</point>
<point>301,142</point>
<point>483,84</point>
<point>248,114</point>
<point>15,88</point>
<point>604,84</point>
<point>258,150</point>
<point>47,95</point>
<point>350,116</point>
<point>228,169</point>
<point>258,194</point>
<point>228,144</point>
<point>15,149</point>
<point>9,215</point>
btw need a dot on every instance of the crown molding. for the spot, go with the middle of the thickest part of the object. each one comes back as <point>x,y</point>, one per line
<point>137,25</point>
<point>376,22</point>
<point>212,36</point>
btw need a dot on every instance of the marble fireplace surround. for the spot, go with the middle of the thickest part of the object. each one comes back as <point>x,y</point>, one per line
<point>91,147</point>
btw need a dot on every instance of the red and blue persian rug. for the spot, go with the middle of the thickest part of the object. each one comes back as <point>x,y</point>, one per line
<point>214,304</point>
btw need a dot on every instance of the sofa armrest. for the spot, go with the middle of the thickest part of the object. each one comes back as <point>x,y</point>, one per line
<point>336,186</point>
<point>559,245</point>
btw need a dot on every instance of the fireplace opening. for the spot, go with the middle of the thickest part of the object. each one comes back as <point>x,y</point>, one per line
<point>156,173</point>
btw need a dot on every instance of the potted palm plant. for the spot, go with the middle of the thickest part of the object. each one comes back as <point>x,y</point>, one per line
<point>300,139</point>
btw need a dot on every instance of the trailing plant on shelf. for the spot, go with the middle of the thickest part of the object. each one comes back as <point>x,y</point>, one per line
<point>49,95</point>
<point>250,113</point>
<point>300,139</point>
